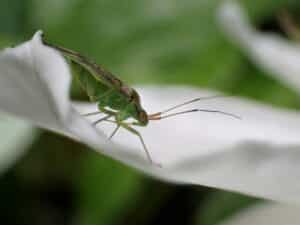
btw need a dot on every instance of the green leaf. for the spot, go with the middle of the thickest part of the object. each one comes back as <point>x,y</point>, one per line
<point>107,189</point>
<point>220,206</point>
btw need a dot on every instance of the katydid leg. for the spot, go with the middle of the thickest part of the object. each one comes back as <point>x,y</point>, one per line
<point>114,132</point>
<point>135,132</point>
<point>102,119</point>
<point>109,115</point>
<point>91,113</point>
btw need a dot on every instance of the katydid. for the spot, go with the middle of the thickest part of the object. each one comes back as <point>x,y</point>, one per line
<point>117,100</point>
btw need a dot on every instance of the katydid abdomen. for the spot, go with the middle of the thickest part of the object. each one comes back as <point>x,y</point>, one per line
<point>98,92</point>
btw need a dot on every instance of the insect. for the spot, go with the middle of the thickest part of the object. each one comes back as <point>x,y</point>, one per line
<point>116,100</point>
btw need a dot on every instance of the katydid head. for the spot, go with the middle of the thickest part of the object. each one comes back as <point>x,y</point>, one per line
<point>134,111</point>
<point>139,113</point>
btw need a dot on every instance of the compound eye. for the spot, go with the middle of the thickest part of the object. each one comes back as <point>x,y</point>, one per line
<point>143,116</point>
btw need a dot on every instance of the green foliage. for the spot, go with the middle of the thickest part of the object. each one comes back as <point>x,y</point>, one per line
<point>108,190</point>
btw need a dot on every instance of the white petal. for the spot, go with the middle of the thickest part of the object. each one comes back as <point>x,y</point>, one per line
<point>266,214</point>
<point>15,135</point>
<point>34,82</point>
<point>274,54</point>
<point>257,155</point>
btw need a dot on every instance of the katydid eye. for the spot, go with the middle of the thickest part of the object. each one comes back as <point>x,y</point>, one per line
<point>143,116</point>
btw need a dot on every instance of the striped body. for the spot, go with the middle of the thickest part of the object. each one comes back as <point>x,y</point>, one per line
<point>103,87</point>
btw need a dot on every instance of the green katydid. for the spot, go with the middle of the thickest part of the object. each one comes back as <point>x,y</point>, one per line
<point>117,100</point>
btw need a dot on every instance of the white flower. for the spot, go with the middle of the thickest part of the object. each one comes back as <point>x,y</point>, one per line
<point>15,136</point>
<point>257,155</point>
<point>274,54</point>
<point>266,214</point>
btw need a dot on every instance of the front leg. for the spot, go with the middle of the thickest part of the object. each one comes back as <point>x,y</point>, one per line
<point>109,115</point>
<point>102,119</point>
<point>135,132</point>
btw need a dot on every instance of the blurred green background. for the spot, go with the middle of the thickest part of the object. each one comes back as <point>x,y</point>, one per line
<point>60,182</point>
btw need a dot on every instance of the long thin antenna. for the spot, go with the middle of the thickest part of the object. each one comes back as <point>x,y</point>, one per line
<point>195,110</point>
<point>186,103</point>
